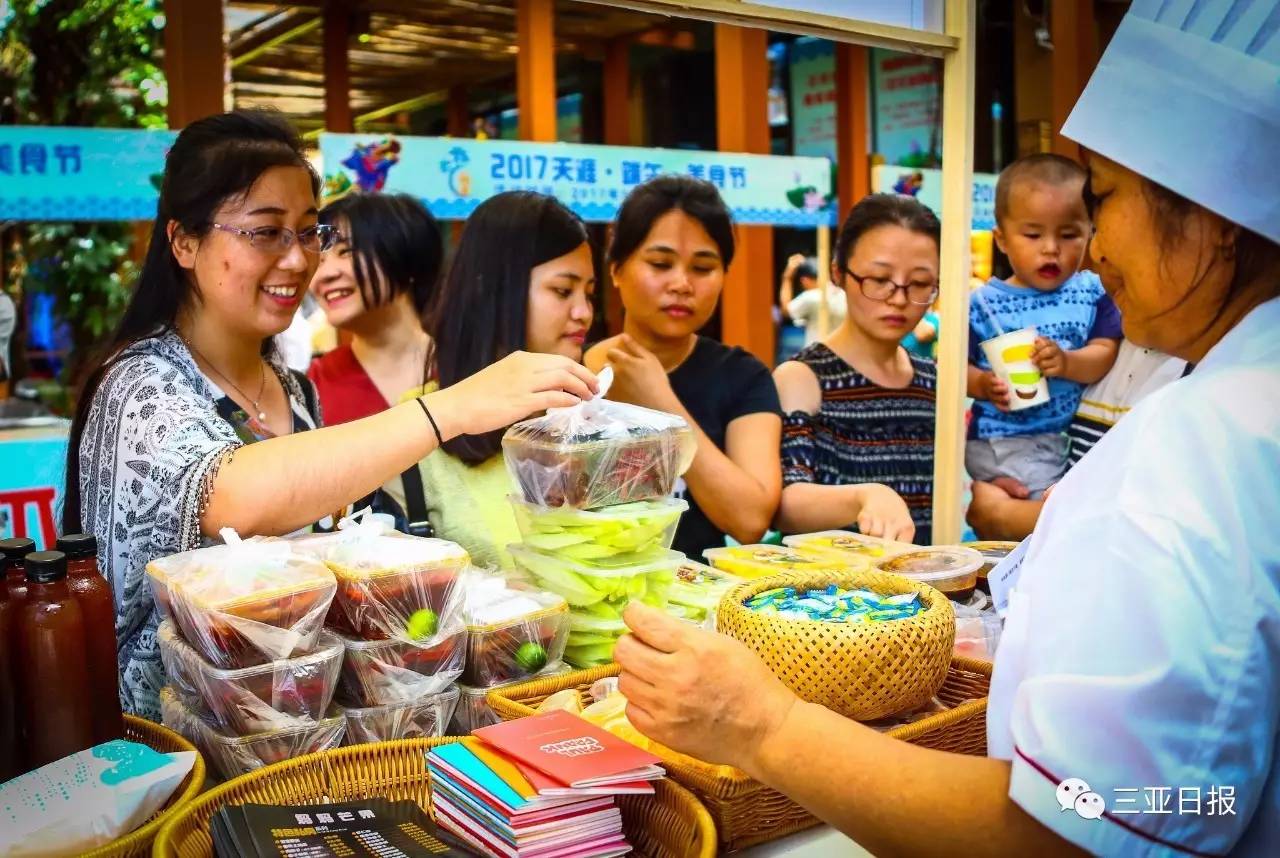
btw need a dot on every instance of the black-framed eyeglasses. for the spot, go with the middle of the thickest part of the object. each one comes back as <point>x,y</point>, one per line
<point>278,239</point>
<point>882,288</point>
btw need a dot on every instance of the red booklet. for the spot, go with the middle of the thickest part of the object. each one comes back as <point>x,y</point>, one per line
<point>571,750</point>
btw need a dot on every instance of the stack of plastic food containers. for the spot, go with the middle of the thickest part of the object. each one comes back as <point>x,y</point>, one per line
<point>398,617</point>
<point>594,505</point>
<point>513,634</point>
<point>252,672</point>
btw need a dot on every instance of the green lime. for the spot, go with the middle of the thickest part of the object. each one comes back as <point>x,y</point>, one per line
<point>531,657</point>
<point>422,624</point>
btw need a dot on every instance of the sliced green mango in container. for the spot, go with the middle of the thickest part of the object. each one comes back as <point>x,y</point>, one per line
<point>554,541</point>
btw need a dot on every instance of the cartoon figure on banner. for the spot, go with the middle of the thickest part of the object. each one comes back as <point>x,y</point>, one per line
<point>372,161</point>
<point>336,186</point>
<point>809,198</point>
<point>909,185</point>
<point>454,169</point>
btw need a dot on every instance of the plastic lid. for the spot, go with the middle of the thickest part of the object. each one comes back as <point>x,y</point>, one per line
<point>618,566</point>
<point>934,563</point>
<point>78,546</point>
<point>617,512</point>
<point>44,567</point>
<point>13,550</point>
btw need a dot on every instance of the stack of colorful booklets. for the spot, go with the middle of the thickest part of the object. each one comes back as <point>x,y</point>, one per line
<point>539,787</point>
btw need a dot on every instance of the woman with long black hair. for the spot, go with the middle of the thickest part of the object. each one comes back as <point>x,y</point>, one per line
<point>533,295</point>
<point>193,424</point>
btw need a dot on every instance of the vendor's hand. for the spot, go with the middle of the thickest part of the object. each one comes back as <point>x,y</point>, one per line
<point>695,691</point>
<point>995,390</point>
<point>502,393</point>
<point>1049,357</point>
<point>882,512</point>
<point>638,376</point>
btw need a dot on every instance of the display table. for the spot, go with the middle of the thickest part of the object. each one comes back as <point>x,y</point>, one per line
<point>821,842</point>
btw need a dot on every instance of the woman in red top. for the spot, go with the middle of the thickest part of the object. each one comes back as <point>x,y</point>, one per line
<point>375,284</point>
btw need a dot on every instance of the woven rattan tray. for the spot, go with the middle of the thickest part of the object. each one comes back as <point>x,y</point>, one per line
<point>670,824</point>
<point>138,842</point>
<point>746,812</point>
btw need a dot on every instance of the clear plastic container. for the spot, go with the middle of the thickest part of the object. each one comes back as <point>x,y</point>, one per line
<point>598,454</point>
<point>992,553</point>
<point>293,692</point>
<point>511,633</point>
<point>605,587</point>
<point>593,536</point>
<point>756,561</point>
<point>591,639</point>
<point>244,603</point>
<point>846,544</point>
<point>375,673</point>
<point>230,756</point>
<point>474,711</point>
<point>951,569</point>
<point>425,717</point>
<point>391,587</point>
<point>697,592</point>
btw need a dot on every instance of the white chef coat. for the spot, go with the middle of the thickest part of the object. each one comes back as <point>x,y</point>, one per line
<point>1141,652</point>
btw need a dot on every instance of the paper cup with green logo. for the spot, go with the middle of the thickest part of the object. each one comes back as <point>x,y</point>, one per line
<point>1010,358</point>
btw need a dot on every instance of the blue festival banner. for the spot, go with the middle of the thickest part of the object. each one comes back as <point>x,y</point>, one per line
<point>452,176</point>
<point>63,173</point>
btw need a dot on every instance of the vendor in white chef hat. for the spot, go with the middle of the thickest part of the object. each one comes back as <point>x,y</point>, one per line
<point>1135,706</point>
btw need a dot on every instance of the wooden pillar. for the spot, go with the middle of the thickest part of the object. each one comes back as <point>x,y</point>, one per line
<point>458,113</point>
<point>617,93</point>
<point>742,125</point>
<point>195,61</point>
<point>337,68</point>
<point>853,119</point>
<point>1075,53</point>
<point>536,69</point>
<point>957,216</point>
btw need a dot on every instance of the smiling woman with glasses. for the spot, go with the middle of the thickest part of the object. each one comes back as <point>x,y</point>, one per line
<point>857,442</point>
<point>192,423</point>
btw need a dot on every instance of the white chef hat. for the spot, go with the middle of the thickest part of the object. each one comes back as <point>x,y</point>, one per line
<point>1188,95</point>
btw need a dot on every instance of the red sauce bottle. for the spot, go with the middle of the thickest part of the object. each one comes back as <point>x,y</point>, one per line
<point>14,550</point>
<point>53,690</point>
<point>98,607</point>
<point>9,760</point>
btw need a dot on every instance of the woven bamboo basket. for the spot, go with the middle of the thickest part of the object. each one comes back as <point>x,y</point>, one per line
<point>670,824</point>
<point>745,811</point>
<point>862,671</point>
<point>138,842</point>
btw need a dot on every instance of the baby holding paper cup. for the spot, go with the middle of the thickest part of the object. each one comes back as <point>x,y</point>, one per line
<point>1038,338</point>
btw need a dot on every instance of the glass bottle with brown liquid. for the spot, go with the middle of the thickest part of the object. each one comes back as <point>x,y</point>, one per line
<point>98,607</point>
<point>8,694</point>
<point>53,689</point>
<point>15,581</point>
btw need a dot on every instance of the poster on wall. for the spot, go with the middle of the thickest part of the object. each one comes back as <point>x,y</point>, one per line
<point>813,97</point>
<point>453,176</point>
<point>906,101</point>
<point>57,173</point>
<point>32,465</point>
<point>926,186</point>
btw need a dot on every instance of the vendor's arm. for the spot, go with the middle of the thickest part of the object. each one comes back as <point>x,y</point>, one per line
<point>995,514</point>
<point>280,484</point>
<point>807,506</point>
<point>737,487</point>
<point>709,696</point>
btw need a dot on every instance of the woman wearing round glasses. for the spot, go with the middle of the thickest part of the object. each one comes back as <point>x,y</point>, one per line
<point>857,438</point>
<point>193,424</point>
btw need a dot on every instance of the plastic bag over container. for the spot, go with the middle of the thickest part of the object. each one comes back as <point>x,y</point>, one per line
<point>375,673</point>
<point>414,719</point>
<point>598,453</point>
<point>246,602</point>
<point>390,586</point>
<point>231,756</point>
<point>76,804</point>
<point>293,692</point>
<point>511,633</point>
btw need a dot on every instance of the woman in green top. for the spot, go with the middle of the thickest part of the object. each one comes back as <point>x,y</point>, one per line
<point>522,280</point>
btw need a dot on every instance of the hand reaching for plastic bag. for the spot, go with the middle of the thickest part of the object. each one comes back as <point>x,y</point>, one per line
<point>510,390</point>
<point>695,691</point>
